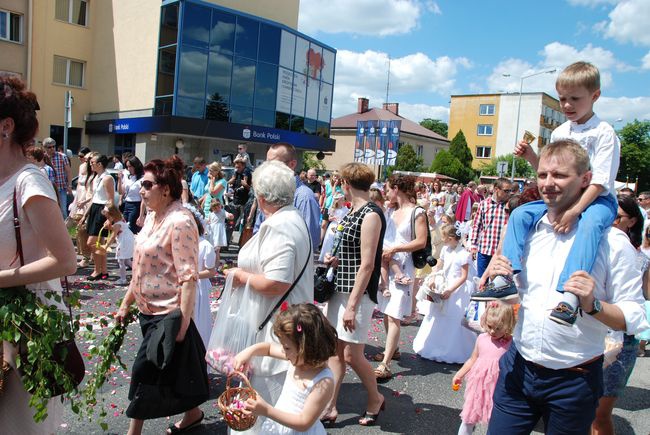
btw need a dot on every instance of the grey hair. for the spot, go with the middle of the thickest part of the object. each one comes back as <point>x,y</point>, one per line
<point>275,182</point>
<point>49,140</point>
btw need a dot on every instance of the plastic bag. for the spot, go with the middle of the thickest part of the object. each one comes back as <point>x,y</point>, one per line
<point>235,327</point>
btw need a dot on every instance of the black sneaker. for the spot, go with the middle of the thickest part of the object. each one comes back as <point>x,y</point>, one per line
<point>491,292</point>
<point>564,314</point>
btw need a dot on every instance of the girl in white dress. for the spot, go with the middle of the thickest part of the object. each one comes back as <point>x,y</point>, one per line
<point>441,336</point>
<point>307,340</point>
<point>336,213</point>
<point>217,227</point>
<point>121,232</point>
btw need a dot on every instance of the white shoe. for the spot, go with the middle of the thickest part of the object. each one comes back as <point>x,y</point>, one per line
<point>121,282</point>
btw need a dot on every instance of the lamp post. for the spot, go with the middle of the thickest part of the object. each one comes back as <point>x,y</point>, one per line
<point>521,88</point>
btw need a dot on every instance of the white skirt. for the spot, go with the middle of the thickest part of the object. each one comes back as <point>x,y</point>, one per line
<point>399,304</point>
<point>335,310</point>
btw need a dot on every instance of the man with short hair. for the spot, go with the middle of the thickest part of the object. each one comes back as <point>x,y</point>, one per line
<point>199,180</point>
<point>61,166</point>
<point>242,153</point>
<point>490,219</point>
<point>549,371</point>
<point>313,183</point>
<point>465,202</point>
<point>303,200</point>
<point>644,205</point>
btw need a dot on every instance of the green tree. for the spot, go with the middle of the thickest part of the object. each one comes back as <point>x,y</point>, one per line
<point>309,161</point>
<point>635,153</point>
<point>459,149</point>
<point>406,160</point>
<point>435,125</point>
<point>447,164</point>
<point>522,167</point>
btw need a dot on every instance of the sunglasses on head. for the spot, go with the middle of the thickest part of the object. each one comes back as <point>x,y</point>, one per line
<point>148,184</point>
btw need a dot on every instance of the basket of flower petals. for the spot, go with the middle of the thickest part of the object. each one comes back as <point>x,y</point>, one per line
<point>232,403</point>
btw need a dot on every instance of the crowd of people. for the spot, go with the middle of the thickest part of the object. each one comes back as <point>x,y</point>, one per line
<point>482,298</point>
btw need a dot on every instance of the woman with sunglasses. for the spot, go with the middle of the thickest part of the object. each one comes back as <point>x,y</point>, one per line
<point>630,221</point>
<point>163,286</point>
<point>103,188</point>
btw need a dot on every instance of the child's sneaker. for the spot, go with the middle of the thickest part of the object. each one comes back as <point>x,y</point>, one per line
<point>564,314</point>
<point>502,288</point>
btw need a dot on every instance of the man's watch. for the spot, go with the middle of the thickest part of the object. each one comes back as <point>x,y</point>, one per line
<point>597,308</point>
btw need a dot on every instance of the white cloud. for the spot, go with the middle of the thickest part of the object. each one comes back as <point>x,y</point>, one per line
<point>627,109</point>
<point>629,22</point>
<point>560,55</point>
<point>506,76</point>
<point>417,112</point>
<point>646,61</point>
<point>433,7</point>
<point>592,3</point>
<point>363,17</point>
<point>365,74</point>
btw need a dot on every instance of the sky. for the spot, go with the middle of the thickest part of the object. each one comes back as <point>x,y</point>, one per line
<point>455,47</point>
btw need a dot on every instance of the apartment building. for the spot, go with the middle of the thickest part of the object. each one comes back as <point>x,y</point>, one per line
<point>489,121</point>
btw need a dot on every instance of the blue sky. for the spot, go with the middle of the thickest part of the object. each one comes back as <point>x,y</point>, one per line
<point>447,47</point>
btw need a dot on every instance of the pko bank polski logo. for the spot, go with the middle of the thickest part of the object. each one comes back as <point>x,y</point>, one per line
<point>246,133</point>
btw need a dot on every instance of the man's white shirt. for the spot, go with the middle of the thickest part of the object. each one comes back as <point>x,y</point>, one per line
<point>618,281</point>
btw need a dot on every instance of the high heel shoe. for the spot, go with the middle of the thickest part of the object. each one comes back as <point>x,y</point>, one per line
<point>368,419</point>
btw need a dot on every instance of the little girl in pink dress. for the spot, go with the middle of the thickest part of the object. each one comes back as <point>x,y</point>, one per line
<point>481,370</point>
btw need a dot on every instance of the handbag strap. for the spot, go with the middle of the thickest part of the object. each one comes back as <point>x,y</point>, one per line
<point>286,294</point>
<point>19,248</point>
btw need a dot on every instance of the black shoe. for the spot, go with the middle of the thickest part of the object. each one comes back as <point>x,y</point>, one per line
<point>104,276</point>
<point>93,277</point>
<point>564,314</point>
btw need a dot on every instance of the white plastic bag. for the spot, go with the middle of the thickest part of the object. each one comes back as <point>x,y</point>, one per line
<point>235,327</point>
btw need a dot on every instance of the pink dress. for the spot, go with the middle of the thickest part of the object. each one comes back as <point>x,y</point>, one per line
<point>482,378</point>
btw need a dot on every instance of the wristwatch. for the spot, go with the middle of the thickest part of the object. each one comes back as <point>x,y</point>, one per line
<point>597,308</point>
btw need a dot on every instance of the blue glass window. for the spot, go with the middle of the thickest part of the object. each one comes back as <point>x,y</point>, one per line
<point>269,44</point>
<point>264,118</point>
<point>282,120</point>
<point>246,37</point>
<point>163,106</point>
<point>222,35</point>
<point>217,108</point>
<point>266,83</point>
<point>192,72</point>
<point>169,25</point>
<point>189,107</point>
<point>219,76</point>
<point>297,123</point>
<point>196,25</point>
<point>241,115</point>
<point>244,83</point>
<point>166,71</point>
<point>310,126</point>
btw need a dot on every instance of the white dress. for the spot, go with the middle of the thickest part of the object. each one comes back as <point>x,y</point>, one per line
<point>328,240</point>
<point>292,400</point>
<point>400,302</point>
<point>125,241</point>
<point>441,336</point>
<point>202,314</point>
<point>217,228</point>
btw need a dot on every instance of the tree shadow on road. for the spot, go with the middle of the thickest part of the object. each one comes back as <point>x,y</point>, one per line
<point>634,399</point>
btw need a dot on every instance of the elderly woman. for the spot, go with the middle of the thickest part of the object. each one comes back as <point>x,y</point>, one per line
<point>358,263</point>
<point>270,262</point>
<point>47,250</point>
<point>163,287</point>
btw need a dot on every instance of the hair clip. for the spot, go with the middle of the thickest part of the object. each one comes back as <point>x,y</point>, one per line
<point>284,306</point>
<point>299,327</point>
<point>493,304</point>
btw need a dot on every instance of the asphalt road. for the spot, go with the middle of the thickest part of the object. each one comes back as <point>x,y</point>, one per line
<point>419,398</point>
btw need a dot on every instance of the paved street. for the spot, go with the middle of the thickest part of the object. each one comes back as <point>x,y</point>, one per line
<point>419,397</point>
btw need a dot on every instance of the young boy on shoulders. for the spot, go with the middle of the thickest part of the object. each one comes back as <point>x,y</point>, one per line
<point>578,88</point>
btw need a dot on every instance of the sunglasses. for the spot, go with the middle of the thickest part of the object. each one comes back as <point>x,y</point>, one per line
<point>148,185</point>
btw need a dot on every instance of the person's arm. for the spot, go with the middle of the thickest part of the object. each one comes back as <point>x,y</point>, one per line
<point>258,282</point>
<point>456,285</point>
<point>129,298</point>
<point>570,216</point>
<point>185,195</point>
<point>581,284</point>
<point>215,188</point>
<point>109,185</point>
<point>419,242</point>
<point>460,374</point>
<point>477,226</point>
<point>210,265</point>
<point>274,350</point>
<point>45,217</point>
<point>523,149</point>
<point>113,236</point>
<point>143,214</point>
<point>188,296</point>
<point>68,175</point>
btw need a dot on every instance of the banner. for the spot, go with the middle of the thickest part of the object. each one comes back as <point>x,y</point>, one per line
<point>359,143</point>
<point>382,142</point>
<point>371,142</point>
<point>393,142</point>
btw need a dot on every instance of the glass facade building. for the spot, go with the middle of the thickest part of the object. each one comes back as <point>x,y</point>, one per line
<point>216,64</point>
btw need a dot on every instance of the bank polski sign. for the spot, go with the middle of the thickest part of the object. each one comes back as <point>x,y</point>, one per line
<point>259,134</point>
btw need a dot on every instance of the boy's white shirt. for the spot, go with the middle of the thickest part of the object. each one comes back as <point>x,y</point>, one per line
<point>600,141</point>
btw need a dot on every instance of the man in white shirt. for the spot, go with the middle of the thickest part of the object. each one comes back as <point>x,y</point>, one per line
<point>550,371</point>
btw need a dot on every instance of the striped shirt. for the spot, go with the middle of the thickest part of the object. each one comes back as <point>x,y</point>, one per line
<point>486,228</point>
<point>59,162</point>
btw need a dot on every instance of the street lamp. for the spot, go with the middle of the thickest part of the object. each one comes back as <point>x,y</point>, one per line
<point>521,87</point>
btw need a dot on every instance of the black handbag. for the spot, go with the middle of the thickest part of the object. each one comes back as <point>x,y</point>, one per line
<point>65,352</point>
<point>323,289</point>
<point>422,257</point>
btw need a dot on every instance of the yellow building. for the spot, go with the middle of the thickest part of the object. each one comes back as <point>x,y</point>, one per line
<point>127,64</point>
<point>425,142</point>
<point>489,121</point>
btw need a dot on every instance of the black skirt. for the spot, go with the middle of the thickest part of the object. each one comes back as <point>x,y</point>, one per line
<point>96,219</point>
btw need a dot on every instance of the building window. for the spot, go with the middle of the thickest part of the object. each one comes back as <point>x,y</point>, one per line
<point>68,72</point>
<point>486,109</point>
<point>484,130</point>
<point>11,26</point>
<point>420,150</point>
<point>72,11</point>
<point>483,152</point>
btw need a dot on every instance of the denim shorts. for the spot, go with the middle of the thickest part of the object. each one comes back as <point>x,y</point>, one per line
<point>615,375</point>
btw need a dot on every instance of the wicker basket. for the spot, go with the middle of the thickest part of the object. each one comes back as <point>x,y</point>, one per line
<point>234,416</point>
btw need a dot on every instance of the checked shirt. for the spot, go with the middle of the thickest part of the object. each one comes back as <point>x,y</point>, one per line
<point>486,228</point>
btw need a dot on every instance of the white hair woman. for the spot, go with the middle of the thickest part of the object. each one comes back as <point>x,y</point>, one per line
<point>269,263</point>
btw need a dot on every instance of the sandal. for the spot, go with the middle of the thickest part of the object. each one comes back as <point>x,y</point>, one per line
<point>173,429</point>
<point>329,419</point>
<point>379,357</point>
<point>368,419</point>
<point>383,372</point>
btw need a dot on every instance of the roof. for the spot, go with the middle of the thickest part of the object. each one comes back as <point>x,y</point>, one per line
<point>408,126</point>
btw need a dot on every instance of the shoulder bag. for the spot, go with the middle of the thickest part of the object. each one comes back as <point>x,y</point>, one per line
<point>422,257</point>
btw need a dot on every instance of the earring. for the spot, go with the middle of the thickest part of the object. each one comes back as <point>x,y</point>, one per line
<point>5,135</point>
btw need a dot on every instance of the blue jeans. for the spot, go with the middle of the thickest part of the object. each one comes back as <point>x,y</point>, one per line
<point>591,224</point>
<point>482,261</point>
<point>566,400</point>
<point>131,214</point>
<point>62,195</point>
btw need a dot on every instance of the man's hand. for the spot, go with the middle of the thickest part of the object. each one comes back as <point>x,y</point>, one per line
<point>582,285</point>
<point>500,265</point>
<point>567,222</point>
<point>349,319</point>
